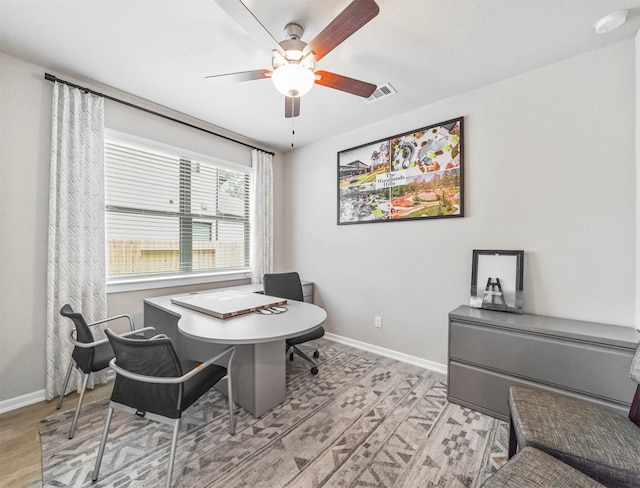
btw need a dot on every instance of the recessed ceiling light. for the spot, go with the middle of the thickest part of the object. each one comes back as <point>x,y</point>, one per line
<point>611,21</point>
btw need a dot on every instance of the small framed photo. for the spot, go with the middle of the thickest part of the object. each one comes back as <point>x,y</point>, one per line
<point>496,280</point>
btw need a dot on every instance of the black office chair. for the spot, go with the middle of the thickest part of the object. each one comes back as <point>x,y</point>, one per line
<point>89,355</point>
<point>289,286</point>
<point>151,382</point>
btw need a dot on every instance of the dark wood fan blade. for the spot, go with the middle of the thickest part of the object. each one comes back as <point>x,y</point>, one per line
<point>257,74</point>
<point>345,84</point>
<point>291,107</point>
<point>352,18</point>
<point>250,23</point>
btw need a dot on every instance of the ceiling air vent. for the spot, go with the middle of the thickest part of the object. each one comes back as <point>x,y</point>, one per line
<point>383,91</point>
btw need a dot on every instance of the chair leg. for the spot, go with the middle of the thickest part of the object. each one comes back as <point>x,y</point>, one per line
<point>66,382</point>
<point>172,454</point>
<point>232,421</point>
<point>103,442</point>
<point>304,356</point>
<point>72,431</point>
<point>513,440</point>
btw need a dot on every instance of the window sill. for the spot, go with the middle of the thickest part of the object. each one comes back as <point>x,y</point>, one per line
<point>125,285</point>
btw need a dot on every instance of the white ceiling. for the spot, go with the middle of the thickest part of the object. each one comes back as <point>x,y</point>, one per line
<point>429,50</point>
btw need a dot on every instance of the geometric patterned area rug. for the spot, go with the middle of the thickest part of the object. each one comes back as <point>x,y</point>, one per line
<point>363,421</point>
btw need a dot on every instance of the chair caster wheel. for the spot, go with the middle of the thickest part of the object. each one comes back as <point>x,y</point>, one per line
<point>316,354</point>
<point>314,370</point>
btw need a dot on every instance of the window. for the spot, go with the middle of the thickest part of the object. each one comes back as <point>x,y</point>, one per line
<point>168,214</point>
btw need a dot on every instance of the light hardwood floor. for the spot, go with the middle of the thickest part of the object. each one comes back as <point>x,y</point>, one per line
<point>20,452</point>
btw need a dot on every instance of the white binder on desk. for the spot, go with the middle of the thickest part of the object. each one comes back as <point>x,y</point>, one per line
<point>227,303</point>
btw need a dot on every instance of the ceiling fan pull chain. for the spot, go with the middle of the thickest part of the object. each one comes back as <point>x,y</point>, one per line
<point>293,126</point>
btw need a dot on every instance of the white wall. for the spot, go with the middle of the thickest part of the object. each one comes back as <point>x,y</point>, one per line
<point>550,169</point>
<point>25,133</point>
<point>25,143</point>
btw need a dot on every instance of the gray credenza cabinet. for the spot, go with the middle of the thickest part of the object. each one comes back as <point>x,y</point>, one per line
<point>490,351</point>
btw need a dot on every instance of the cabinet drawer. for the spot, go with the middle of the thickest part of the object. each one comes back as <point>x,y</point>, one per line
<point>583,367</point>
<point>488,391</point>
<point>479,390</point>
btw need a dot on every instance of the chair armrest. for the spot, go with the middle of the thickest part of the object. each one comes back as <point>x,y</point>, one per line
<point>173,379</point>
<point>115,317</point>
<point>160,336</point>
<point>138,331</point>
<point>231,350</point>
<point>87,345</point>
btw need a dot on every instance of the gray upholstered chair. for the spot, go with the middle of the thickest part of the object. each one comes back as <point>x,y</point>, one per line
<point>593,439</point>
<point>531,468</point>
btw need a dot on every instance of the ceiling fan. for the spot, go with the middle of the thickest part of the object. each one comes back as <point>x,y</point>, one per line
<point>293,60</point>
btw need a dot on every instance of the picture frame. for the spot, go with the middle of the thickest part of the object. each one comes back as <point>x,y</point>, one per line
<point>416,175</point>
<point>496,280</point>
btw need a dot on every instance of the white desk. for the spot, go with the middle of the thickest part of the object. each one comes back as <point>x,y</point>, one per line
<point>259,367</point>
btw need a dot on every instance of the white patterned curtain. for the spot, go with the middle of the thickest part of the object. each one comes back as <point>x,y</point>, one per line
<point>76,271</point>
<point>261,215</point>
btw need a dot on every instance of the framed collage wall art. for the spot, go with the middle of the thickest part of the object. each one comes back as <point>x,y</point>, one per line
<point>418,175</point>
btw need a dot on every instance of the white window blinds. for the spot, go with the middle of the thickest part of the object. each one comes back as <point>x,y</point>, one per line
<point>167,214</point>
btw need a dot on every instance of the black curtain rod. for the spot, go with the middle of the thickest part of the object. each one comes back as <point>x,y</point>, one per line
<point>50,77</point>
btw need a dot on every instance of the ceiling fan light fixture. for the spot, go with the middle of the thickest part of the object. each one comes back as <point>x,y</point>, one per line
<point>293,55</point>
<point>293,80</point>
<point>293,49</point>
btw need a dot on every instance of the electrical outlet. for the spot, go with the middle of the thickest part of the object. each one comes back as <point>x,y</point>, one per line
<point>377,321</point>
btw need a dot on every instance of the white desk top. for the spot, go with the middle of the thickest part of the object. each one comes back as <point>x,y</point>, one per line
<point>252,328</point>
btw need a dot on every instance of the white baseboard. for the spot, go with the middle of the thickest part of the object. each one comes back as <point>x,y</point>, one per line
<point>388,353</point>
<point>21,401</point>
<point>35,397</point>
<point>38,396</point>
